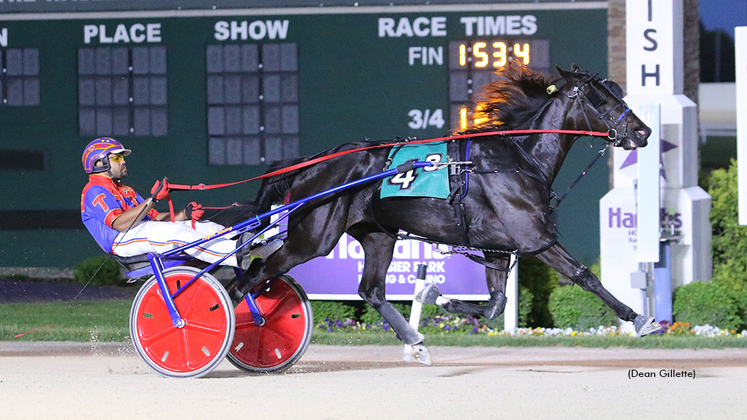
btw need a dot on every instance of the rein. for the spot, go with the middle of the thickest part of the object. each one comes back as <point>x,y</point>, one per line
<point>560,199</point>
<point>201,186</point>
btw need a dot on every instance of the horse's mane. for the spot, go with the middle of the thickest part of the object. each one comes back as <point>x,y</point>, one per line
<point>511,101</point>
<point>503,105</point>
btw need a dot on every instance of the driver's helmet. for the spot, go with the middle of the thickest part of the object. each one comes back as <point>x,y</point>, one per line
<point>99,149</point>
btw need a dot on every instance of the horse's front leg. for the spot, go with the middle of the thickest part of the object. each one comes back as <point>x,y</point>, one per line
<point>558,258</point>
<point>496,279</point>
<point>378,248</point>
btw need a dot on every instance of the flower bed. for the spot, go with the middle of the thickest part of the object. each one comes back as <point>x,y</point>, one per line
<point>470,325</point>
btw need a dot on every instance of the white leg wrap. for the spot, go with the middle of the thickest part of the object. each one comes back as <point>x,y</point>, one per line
<point>441,300</point>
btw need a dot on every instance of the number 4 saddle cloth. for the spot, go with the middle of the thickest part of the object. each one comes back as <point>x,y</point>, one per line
<point>421,182</point>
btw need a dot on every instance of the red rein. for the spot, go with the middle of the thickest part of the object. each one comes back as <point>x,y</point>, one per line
<point>378,146</point>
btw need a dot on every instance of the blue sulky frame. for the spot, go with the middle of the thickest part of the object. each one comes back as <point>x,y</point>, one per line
<point>174,257</point>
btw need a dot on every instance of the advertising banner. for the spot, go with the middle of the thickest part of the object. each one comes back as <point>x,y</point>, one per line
<point>338,275</point>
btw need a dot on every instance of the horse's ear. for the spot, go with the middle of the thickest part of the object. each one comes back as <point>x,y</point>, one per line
<point>575,68</point>
<point>565,74</point>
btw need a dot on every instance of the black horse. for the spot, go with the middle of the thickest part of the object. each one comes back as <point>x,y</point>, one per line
<point>505,210</point>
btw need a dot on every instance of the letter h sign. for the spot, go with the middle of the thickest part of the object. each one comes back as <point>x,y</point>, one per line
<point>654,47</point>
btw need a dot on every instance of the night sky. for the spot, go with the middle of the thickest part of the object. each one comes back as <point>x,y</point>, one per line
<point>723,14</point>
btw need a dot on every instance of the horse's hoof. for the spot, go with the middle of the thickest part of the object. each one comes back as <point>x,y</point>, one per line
<point>496,305</point>
<point>236,296</point>
<point>428,295</point>
<point>421,354</point>
<point>645,325</point>
<point>265,250</point>
<point>493,311</point>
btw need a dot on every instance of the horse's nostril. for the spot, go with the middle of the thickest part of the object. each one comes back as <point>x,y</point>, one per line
<point>642,133</point>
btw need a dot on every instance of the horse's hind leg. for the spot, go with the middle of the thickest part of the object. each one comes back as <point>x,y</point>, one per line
<point>316,234</point>
<point>558,258</point>
<point>496,280</point>
<point>378,248</point>
<point>497,284</point>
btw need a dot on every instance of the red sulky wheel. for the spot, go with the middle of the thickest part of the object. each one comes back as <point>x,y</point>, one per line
<point>283,338</point>
<point>202,343</point>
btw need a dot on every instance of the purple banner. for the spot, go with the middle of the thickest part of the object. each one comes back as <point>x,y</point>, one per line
<point>337,276</point>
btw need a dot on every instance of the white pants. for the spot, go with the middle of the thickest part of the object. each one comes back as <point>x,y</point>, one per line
<point>159,237</point>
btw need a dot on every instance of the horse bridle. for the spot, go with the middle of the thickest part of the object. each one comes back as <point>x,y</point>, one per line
<point>617,128</point>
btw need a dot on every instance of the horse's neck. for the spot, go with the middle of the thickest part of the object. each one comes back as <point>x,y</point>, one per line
<point>549,150</point>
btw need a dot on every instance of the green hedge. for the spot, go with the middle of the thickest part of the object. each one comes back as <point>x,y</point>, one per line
<point>98,271</point>
<point>729,239</point>
<point>333,310</point>
<point>526,300</point>
<point>705,303</point>
<point>573,307</point>
<point>539,280</point>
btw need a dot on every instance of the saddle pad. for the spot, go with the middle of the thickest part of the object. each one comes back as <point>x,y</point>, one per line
<point>420,182</point>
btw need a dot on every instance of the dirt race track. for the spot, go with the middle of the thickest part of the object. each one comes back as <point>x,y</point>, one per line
<point>108,381</point>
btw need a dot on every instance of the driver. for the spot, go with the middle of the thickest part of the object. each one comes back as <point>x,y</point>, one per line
<point>125,224</point>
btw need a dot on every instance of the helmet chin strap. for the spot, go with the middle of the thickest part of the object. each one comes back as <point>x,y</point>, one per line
<point>108,166</point>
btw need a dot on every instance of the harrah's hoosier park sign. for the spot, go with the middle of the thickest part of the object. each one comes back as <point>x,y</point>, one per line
<point>619,218</point>
<point>338,275</point>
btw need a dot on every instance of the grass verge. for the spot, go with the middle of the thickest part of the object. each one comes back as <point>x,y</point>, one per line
<point>464,340</point>
<point>80,321</point>
<point>107,321</point>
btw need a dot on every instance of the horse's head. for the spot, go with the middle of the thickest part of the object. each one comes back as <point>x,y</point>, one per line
<point>602,108</point>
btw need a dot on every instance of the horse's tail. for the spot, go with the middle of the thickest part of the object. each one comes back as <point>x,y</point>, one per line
<point>275,189</point>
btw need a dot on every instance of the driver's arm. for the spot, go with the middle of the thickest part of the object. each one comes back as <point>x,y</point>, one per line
<point>124,220</point>
<point>164,215</point>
